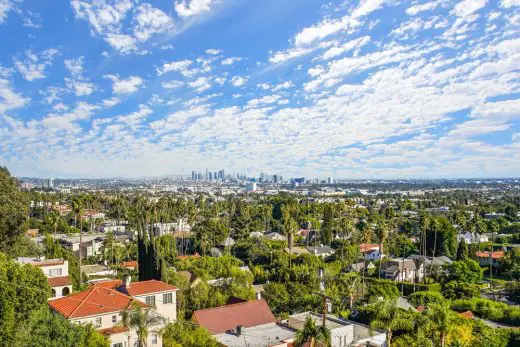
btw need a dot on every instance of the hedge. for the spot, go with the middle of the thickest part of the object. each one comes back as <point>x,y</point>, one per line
<point>489,309</point>
<point>408,288</point>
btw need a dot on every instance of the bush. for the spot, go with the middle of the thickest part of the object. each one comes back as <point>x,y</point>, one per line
<point>425,298</point>
<point>489,309</point>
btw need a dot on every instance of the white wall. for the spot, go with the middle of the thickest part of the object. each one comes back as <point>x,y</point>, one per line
<point>168,311</point>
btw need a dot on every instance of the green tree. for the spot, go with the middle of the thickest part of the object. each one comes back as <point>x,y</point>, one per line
<point>186,334</point>
<point>23,290</point>
<point>14,209</point>
<point>317,336</point>
<point>388,317</point>
<point>441,320</point>
<point>141,320</point>
<point>462,250</point>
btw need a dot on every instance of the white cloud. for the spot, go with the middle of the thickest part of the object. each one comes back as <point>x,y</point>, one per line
<point>172,84</point>
<point>9,99</point>
<point>80,88</point>
<point>239,81</point>
<point>466,8</point>
<point>509,3</point>
<point>34,66</point>
<point>231,61</point>
<point>188,8</point>
<point>283,56</point>
<point>174,66</point>
<point>5,7</point>
<point>108,103</point>
<point>200,84</point>
<point>417,8</point>
<point>150,21</point>
<point>321,30</point>
<point>68,121</point>
<point>213,51</point>
<point>125,86</point>
<point>347,46</point>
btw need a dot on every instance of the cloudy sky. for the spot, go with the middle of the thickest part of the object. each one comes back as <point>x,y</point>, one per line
<point>352,89</point>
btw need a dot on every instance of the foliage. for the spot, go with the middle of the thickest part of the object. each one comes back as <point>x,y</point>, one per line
<point>52,330</point>
<point>186,334</point>
<point>489,309</point>
<point>426,298</point>
<point>141,320</point>
<point>166,245</point>
<point>14,209</point>
<point>387,291</point>
<point>23,290</point>
<point>390,318</point>
<point>318,336</point>
<point>460,278</point>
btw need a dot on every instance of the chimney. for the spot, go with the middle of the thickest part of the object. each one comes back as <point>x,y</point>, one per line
<point>128,279</point>
<point>238,330</point>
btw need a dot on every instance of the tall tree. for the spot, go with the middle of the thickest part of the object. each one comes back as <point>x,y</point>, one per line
<point>316,336</point>
<point>77,207</point>
<point>141,320</point>
<point>14,210</point>
<point>382,236</point>
<point>441,320</point>
<point>462,250</point>
<point>389,317</point>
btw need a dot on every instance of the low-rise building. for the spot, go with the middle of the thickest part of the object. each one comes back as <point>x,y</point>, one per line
<point>399,269</point>
<point>56,271</point>
<point>495,258</point>
<point>321,251</point>
<point>104,303</point>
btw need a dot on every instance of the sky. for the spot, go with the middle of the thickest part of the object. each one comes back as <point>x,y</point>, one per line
<point>348,89</point>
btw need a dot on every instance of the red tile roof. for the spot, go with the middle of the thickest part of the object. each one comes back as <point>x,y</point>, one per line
<point>48,263</point>
<point>114,330</point>
<point>184,257</point>
<point>145,287</point>
<point>467,315</point>
<point>494,255</point>
<point>129,264</point>
<point>367,247</point>
<point>111,284</point>
<point>59,281</point>
<point>94,301</point>
<point>221,319</point>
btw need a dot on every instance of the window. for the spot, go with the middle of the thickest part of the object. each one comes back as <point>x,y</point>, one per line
<point>119,344</point>
<point>167,298</point>
<point>150,300</point>
<point>99,322</point>
<point>114,319</point>
<point>154,339</point>
<point>55,272</point>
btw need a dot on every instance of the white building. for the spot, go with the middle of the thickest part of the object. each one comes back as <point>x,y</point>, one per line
<point>251,187</point>
<point>56,271</point>
<point>103,305</point>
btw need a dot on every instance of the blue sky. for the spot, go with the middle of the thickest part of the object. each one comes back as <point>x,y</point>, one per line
<point>353,89</point>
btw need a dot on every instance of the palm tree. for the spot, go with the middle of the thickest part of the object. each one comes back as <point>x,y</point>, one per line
<point>436,226</point>
<point>382,235</point>
<point>440,320</point>
<point>77,207</point>
<point>350,284</point>
<point>141,320</point>
<point>54,221</point>
<point>389,318</point>
<point>317,336</point>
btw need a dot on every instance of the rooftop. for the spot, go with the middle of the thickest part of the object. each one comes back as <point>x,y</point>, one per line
<point>59,281</point>
<point>145,287</point>
<point>93,301</point>
<point>224,318</point>
<point>257,336</point>
<point>494,255</point>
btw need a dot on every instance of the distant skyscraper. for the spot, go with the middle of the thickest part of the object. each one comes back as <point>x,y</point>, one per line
<point>193,175</point>
<point>330,180</point>
<point>251,187</point>
<point>50,183</point>
<point>207,177</point>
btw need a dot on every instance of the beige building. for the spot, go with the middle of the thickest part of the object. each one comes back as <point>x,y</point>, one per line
<point>56,271</point>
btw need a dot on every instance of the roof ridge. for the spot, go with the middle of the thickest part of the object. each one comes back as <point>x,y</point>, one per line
<point>235,304</point>
<point>81,302</point>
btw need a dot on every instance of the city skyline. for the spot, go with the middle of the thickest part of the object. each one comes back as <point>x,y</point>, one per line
<point>364,89</point>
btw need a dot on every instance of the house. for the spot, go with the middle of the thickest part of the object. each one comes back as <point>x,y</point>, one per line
<point>56,271</point>
<point>130,265</point>
<point>274,236</point>
<point>249,323</point>
<point>91,245</point>
<point>344,333</point>
<point>228,242</point>
<point>496,258</point>
<point>103,305</point>
<point>321,251</point>
<point>370,251</point>
<point>227,318</point>
<point>359,266</point>
<point>256,234</point>
<point>398,269</point>
<point>470,238</point>
<point>179,228</point>
<point>190,277</point>
<point>296,250</point>
<point>436,261</point>
<point>494,215</point>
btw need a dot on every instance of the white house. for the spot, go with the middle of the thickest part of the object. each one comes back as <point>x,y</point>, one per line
<point>56,271</point>
<point>103,305</point>
<point>370,251</point>
<point>470,238</point>
<point>402,269</point>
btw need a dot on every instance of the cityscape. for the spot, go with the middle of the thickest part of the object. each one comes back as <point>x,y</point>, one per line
<point>275,173</point>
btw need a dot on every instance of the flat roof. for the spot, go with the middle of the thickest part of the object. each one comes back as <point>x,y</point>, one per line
<point>257,336</point>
